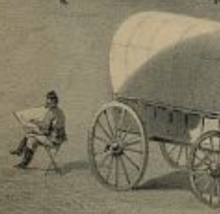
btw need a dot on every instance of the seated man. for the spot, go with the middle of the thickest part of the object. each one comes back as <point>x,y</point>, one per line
<point>49,132</point>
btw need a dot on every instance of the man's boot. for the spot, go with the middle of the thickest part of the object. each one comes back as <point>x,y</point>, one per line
<point>28,156</point>
<point>21,147</point>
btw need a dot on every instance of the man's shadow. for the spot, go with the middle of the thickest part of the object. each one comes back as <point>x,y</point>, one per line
<point>75,165</point>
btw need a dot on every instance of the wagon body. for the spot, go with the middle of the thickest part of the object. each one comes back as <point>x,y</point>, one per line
<point>168,59</point>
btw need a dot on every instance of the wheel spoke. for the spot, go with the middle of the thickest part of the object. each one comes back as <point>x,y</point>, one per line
<point>104,130</point>
<point>187,152</point>
<point>125,169</point>
<point>116,171</point>
<point>131,161</point>
<point>109,168</point>
<point>133,150</point>
<point>104,159</point>
<point>127,132</point>
<point>101,139</point>
<point>207,154</point>
<point>215,187</point>
<point>218,161</point>
<point>123,135</point>
<point>210,198</point>
<point>207,185</point>
<point>120,122</point>
<point>179,153</point>
<point>132,142</point>
<point>218,189</point>
<point>212,142</point>
<point>216,157</point>
<point>198,178</point>
<point>203,160</point>
<point>108,123</point>
<point>213,150</point>
<point>212,191</point>
<point>172,149</point>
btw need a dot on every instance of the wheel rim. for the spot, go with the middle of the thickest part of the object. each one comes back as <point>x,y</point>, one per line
<point>117,148</point>
<point>204,167</point>
<point>175,153</point>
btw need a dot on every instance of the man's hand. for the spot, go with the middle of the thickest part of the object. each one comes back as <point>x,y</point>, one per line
<point>32,130</point>
<point>34,121</point>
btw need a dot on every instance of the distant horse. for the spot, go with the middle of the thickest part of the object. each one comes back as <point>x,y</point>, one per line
<point>63,1</point>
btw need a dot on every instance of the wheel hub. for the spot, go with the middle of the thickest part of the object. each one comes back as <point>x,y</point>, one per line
<point>114,148</point>
<point>215,171</point>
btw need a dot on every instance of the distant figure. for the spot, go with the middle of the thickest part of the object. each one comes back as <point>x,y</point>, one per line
<point>63,1</point>
<point>48,132</point>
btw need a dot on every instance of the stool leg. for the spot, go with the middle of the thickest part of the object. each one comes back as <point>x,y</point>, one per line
<point>53,157</point>
<point>53,162</point>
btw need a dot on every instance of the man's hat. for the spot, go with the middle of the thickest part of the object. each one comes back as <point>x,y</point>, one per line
<point>52,95</point>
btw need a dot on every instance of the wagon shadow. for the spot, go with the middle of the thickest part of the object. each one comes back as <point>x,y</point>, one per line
<point>75,165</point>
<point>177,180</point>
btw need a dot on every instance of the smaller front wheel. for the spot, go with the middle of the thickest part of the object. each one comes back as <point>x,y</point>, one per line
<point>117,147</point>
<point>175,153</point>
<point>204,168</point>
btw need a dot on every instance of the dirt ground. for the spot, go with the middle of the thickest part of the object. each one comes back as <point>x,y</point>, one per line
<point>46,45</point>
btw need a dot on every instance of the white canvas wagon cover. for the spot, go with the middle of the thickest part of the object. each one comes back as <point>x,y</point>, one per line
<point>169,58</point>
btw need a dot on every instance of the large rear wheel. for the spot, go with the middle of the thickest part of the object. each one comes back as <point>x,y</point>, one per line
<point>117,148</point>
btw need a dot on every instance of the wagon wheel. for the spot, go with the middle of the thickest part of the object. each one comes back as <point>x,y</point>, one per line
<point>117,148</point>
<point>175,153</point>
<point>204,168</point>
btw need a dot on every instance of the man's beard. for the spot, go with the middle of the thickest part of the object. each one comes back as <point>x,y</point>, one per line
<point>46,105</point>
<point>50,105</point>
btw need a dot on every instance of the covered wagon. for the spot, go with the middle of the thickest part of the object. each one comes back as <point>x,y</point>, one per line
<point>165,75</point>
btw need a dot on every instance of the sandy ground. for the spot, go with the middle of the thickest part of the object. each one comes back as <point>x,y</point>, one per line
<point>45,45</point>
